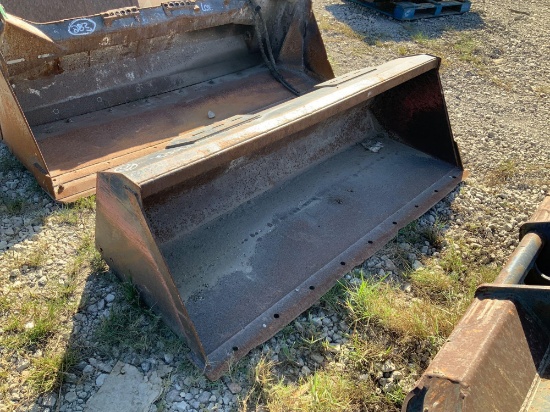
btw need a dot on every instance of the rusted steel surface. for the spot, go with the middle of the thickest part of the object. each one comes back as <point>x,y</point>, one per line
<point>244,224</point>
<point>107,82</point>
<point>496,359</point>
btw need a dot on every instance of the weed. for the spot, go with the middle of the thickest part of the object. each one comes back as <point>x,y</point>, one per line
<point>402,50</point>
<point>131,294</point>
<point>73,214</point>
<point>128,328</point>
<point>363,352</point>
<point>434,233</point>
<point>66,214</point>
<point>379,302</point>
<point>433,284</point>
<point>48,372</point>
<point>325,390</point>
<point>86,256</point>
<point>37,258</point>
<point>261,378</point>
<point>452,263</point>
<point>420,38</point>
<point>503,173</point>
<point>333,297</point>
<point>136,328</point>
<point>467,48</point>
<point>85,203</point>
<point>396,396</point>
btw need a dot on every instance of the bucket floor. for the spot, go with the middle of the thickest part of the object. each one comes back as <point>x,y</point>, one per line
<point>233,269</point>
<point>76,149</point>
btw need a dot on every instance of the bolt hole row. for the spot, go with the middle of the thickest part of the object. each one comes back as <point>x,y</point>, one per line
<point>179,3</point>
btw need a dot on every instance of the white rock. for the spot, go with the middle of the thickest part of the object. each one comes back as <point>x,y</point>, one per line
<point>70,396</point>
<point>204,397</point>
<point>417,265</point>
<point>125,390</point>
<point>317,358</point>
<point>388,366</point>
<point>88,370</point>
<point>50,400</point>
<point>397,376</point>
<point>100,379</point>
<point>181,406</point>
<point>234,388</point>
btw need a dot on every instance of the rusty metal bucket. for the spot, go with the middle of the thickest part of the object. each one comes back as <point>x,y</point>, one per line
<point>85,88</point>
<point>497,357</point>
<point>234,229</point>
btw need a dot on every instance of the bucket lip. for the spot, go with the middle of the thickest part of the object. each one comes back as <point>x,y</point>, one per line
<point>294,114</point>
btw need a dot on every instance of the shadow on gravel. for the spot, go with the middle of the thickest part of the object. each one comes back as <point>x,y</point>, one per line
<point>375,26</point>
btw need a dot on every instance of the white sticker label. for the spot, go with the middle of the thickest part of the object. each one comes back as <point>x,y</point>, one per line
<point>126,168</point>
<point>81,27</point>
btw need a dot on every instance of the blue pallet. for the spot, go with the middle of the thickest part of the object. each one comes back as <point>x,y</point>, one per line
<point>406,10</point>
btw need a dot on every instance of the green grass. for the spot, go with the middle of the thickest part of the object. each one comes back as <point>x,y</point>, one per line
<point>134,326</point>
<point>333,298</point>
<point>34,322</point>
<point>467,49</point>
<point>37,258</point>
<point>87,256</point>
<point>74,213</point>
<point>441,294</point>
<point>380,303</point>
<point>420,38</point>
<point>502,173</point>
<point>323,391</point>
<point>48,372</point>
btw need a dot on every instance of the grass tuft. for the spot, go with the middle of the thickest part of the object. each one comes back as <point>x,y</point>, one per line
<point>324,390</point>
<point>502,173</point>
<point>48,372</point>
<point>378,302</point>
<point>74,213</point>
<point>441,293</point>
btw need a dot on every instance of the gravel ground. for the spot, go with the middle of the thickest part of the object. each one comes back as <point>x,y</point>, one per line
<point>496,79</point>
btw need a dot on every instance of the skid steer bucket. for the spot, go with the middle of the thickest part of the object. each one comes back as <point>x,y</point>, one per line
<point>234,229</point>
<point>498,356</point>
<point>89,85</point>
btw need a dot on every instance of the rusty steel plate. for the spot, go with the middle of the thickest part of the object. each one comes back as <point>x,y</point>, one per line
<point>235,229</point>
<point>87,86</point>
<point>497,357</point>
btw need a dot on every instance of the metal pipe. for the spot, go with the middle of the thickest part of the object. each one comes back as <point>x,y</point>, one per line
<point>522,260</point>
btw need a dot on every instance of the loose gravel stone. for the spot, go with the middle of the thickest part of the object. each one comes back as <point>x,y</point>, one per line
<point>70,397</point>
<point>234,388</point>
